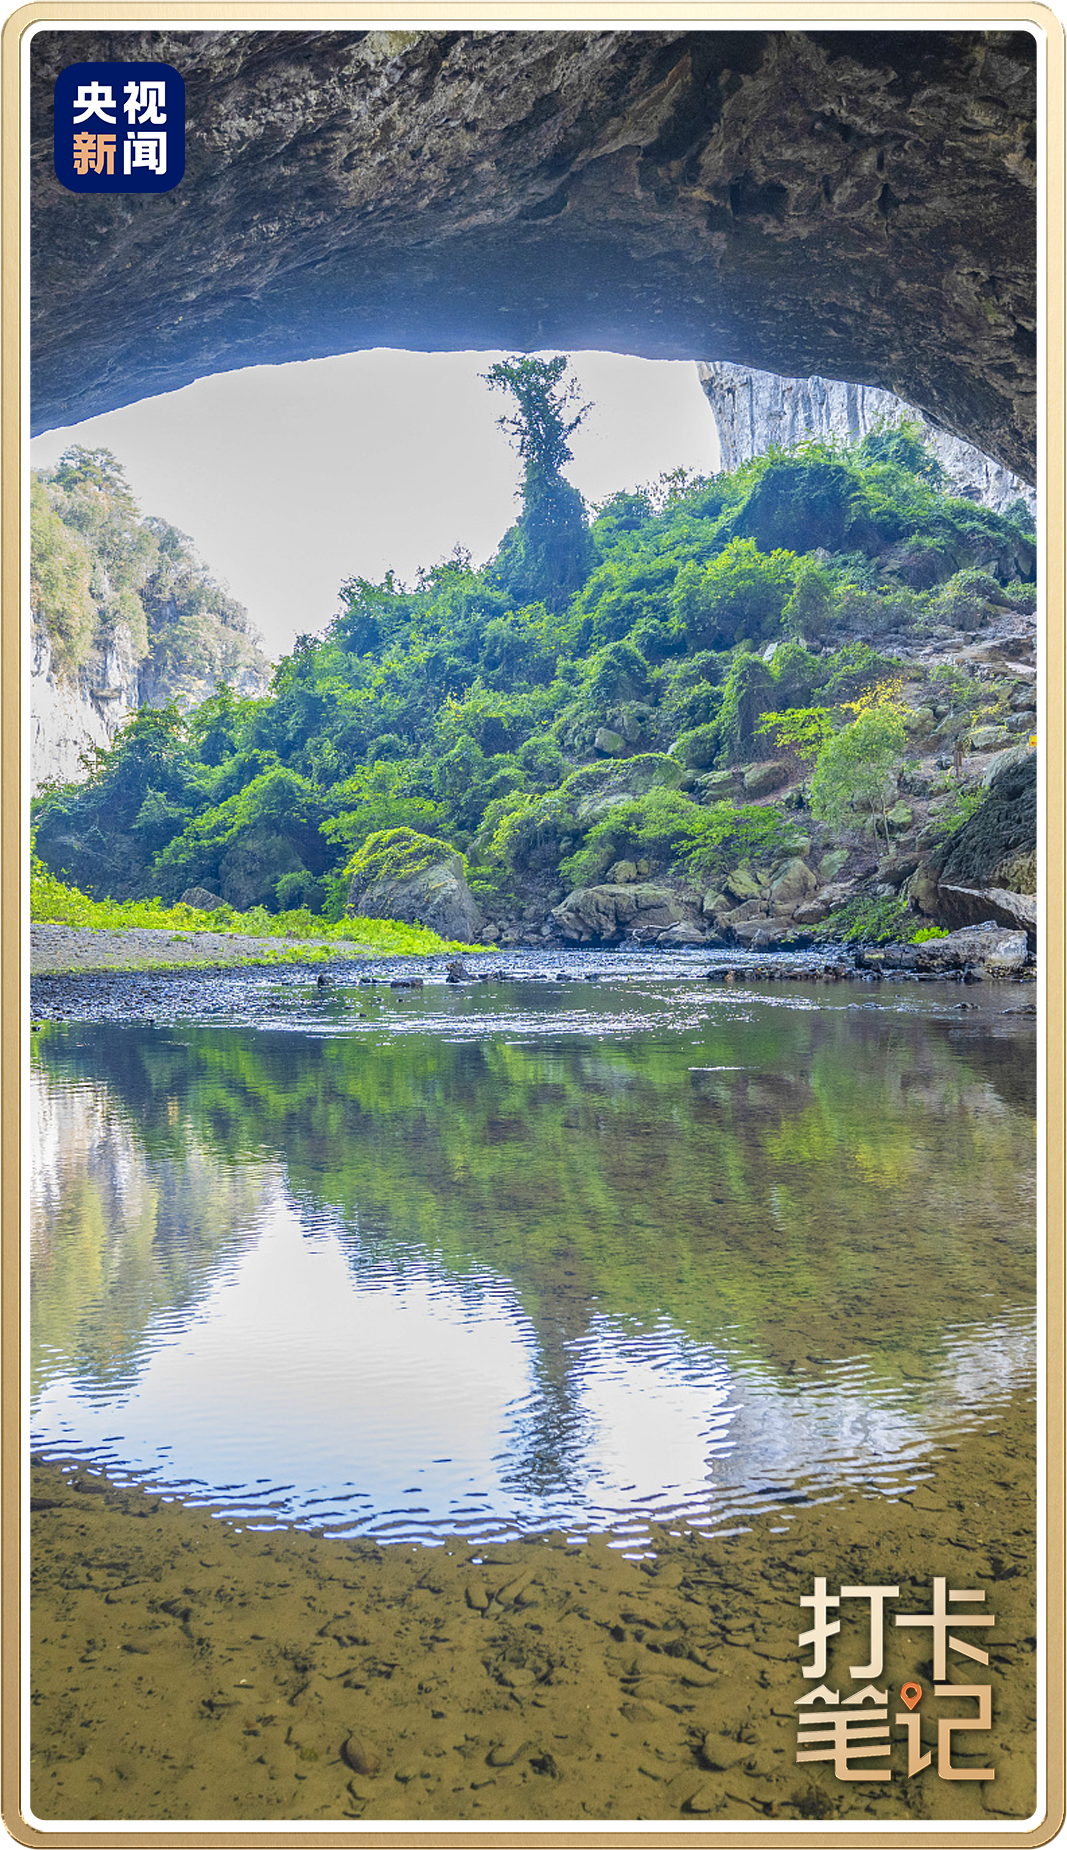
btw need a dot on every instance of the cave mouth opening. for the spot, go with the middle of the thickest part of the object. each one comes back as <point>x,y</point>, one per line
<point>784,198</point>
<point>292,478</point>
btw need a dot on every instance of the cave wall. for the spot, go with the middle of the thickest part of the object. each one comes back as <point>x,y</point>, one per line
<point>859,205</point>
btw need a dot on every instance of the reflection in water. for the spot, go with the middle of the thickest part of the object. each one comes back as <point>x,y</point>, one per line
<point>718,1259</point>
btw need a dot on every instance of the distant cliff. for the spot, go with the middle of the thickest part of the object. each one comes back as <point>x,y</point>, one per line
<point>124,615</point>
<point>755,411</point>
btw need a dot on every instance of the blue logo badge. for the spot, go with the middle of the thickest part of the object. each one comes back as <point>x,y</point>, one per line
<point>119,128</point>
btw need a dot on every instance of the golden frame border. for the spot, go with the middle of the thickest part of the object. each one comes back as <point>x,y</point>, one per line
<point>1047,23</point>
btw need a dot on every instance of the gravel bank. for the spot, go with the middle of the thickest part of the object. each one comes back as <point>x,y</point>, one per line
<point>64,948</point>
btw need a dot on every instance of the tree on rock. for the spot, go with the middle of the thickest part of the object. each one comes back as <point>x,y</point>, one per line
<point>548,554</point>
<point>857,767</point>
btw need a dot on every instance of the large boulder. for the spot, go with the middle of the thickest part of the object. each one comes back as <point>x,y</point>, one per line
<point>604,914</point>
<point>760,779</point>
<point>400,874</point>
<point>996,905</point>
<point>995,848</point>
<point>745,883</point>
<point>791,886</point>
<point>987,950</point>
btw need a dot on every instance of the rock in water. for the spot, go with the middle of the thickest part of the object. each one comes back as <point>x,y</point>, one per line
<point>361,1759</point>
<point>984,950</point>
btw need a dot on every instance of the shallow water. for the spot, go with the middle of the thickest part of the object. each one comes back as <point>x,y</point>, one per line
<point>512,1257</point>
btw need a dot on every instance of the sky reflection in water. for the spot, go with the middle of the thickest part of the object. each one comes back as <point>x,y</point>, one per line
<point>333,1320</point>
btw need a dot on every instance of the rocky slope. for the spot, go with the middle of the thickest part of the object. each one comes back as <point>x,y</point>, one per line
<point>756,411</point>
<point>962,823</point>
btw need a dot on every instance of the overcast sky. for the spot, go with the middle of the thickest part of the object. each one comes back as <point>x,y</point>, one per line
<point>292,478</point>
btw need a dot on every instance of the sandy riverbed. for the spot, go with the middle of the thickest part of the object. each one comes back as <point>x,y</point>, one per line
<point>185,1669</point>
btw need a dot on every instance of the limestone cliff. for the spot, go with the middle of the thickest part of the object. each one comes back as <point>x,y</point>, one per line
<point>755,410</point>
<point>124,614</point>
<point>72,712</point>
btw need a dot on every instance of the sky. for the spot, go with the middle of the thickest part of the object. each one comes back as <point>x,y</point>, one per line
<point>290,479</point>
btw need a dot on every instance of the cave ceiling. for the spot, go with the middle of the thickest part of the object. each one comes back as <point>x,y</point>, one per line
<point>856,204</point>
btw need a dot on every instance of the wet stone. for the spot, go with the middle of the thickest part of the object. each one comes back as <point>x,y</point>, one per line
<point>362,1759</point>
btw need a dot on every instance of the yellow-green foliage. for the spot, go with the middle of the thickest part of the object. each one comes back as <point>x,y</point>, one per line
<point>54,903</point>
<point>60,572</point>
<point>394,854</point>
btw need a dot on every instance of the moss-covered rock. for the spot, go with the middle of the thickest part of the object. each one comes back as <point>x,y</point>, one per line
<point>792,885</point>
<point>761,779</point>
<point>400,874</point>
<point>996,847</point>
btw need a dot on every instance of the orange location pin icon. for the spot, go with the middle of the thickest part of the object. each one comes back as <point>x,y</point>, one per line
<point>911,1694</point>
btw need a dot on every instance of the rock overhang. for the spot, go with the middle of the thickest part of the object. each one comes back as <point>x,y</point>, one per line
<point>856,204</point>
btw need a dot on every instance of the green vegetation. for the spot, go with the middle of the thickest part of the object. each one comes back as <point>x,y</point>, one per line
<point>857,767</point>
<point>54,903</point>
<point>102,575</point>
<point>869,920</point>
<point>670,681</point>
<point>548,553</point>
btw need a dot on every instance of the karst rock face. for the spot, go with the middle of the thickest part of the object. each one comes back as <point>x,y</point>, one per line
<point>756,411</point>
<point>860,205</point>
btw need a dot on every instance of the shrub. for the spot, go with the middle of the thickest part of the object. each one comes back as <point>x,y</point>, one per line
<point>750,692</point>
<point>903,444</point>
<point>618,672</point>
<point>740,596</point>
<point>858,766</point>
<point>394,854</point>
<point>867,920</point>
<point>697,748</point>
<point>967,596</point>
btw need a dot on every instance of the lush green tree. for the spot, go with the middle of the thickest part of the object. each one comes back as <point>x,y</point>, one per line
<point>739,596</point>
<point>803,729</point>
<point>902,443</point>
<point>539,426</point>
<point>857,768</point>
<point>547,555</point>
<point>384,795</point>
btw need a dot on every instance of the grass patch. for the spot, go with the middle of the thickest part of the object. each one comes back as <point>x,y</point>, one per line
<point>866,920</point>
<point>52,902</point>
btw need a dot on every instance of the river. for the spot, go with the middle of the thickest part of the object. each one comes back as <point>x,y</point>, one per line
<point>494,1259</point>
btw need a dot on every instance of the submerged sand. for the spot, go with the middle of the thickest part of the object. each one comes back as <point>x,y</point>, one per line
<point>184,1668</point>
